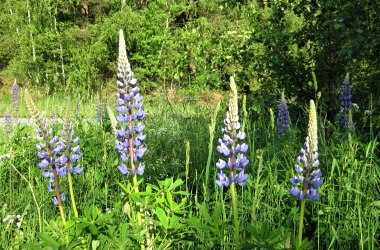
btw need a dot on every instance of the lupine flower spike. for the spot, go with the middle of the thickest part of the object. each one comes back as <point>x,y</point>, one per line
<point>8,123</point>
<point>232,169</point>
<point>69,159</point>
<point>345,100</point>
<point>283,123</point>
<point>15,101</point>
<point>129,135</point>
<point>230,148</point>
<point>308,175</point>
<point>50,152</point>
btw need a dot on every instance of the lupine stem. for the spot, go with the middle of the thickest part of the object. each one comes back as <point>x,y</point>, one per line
<point>71,189</point>
<point>235,215</point>
<point>58,194</point>
<point>300,227</point>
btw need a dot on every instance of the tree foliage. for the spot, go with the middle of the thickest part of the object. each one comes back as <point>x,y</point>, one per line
<point>267,45</point>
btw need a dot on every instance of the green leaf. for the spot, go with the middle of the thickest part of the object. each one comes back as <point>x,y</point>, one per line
<point>205,215</point>
<point>127,190</point>
<point>162,217</point>
<point>69,224</point>
<point>169,198</point>
<point>136,197</point>
<point>177,183</point>
<point>137,184</point>
<point>181,193</point>
<point>174,222</point>
<point>48,240</point>
<point>196,223</point>
<point>93,229</point>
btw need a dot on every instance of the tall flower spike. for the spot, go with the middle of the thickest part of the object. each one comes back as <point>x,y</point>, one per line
<point>71,146</point>
<point>50,150</point>
<point>233,152</point>
<point>129,134</point>
<point>283,123</point>
<point>8,123</point>
<point>345,101</point>
<point>15,99</point>
<point>308,178</point>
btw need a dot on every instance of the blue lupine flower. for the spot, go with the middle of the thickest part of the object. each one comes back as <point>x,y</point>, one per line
<point>129,134</point>
<point>71,148</point>
<point>308,175</point>
<point>8,122</point>
<point>55,200</point>
<point>230,148</point>
<point>222,180</point>
<point>15,100</point>
<point>283,123</point>
<point>345,101</point>
<point>49,148</point>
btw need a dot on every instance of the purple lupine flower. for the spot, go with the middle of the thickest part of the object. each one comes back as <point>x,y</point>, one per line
<point>308,175</point>
<point>129,134</point>
<point>283,123</point>
<point>15,100</point>
<point>69,158</point>
<point>232,169</point>
<point>345,102</point>
<point>55,200</point>
<point>8,122</point>
<point>49,148</point>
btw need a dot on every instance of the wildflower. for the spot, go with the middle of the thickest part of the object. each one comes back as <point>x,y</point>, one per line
<point>283,117</point>
<point>72,150</point>
<point>129,134</point>
<point>50,148</point>
<point>345,101</point>
<point>230,147</point>
<point>8,123</point>
<point>13,220</point>
<point>308,175</point>
<point>15,100</point>
<point>55,200</point>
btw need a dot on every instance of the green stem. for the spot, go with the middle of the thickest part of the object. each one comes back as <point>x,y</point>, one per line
<point>71,189</point>
<point>138,213</point>
<point>139,220</point>
<point>300,228</point>
<point>235,215</point>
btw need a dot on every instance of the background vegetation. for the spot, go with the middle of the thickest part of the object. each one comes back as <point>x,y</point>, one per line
<point>269,45</point>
